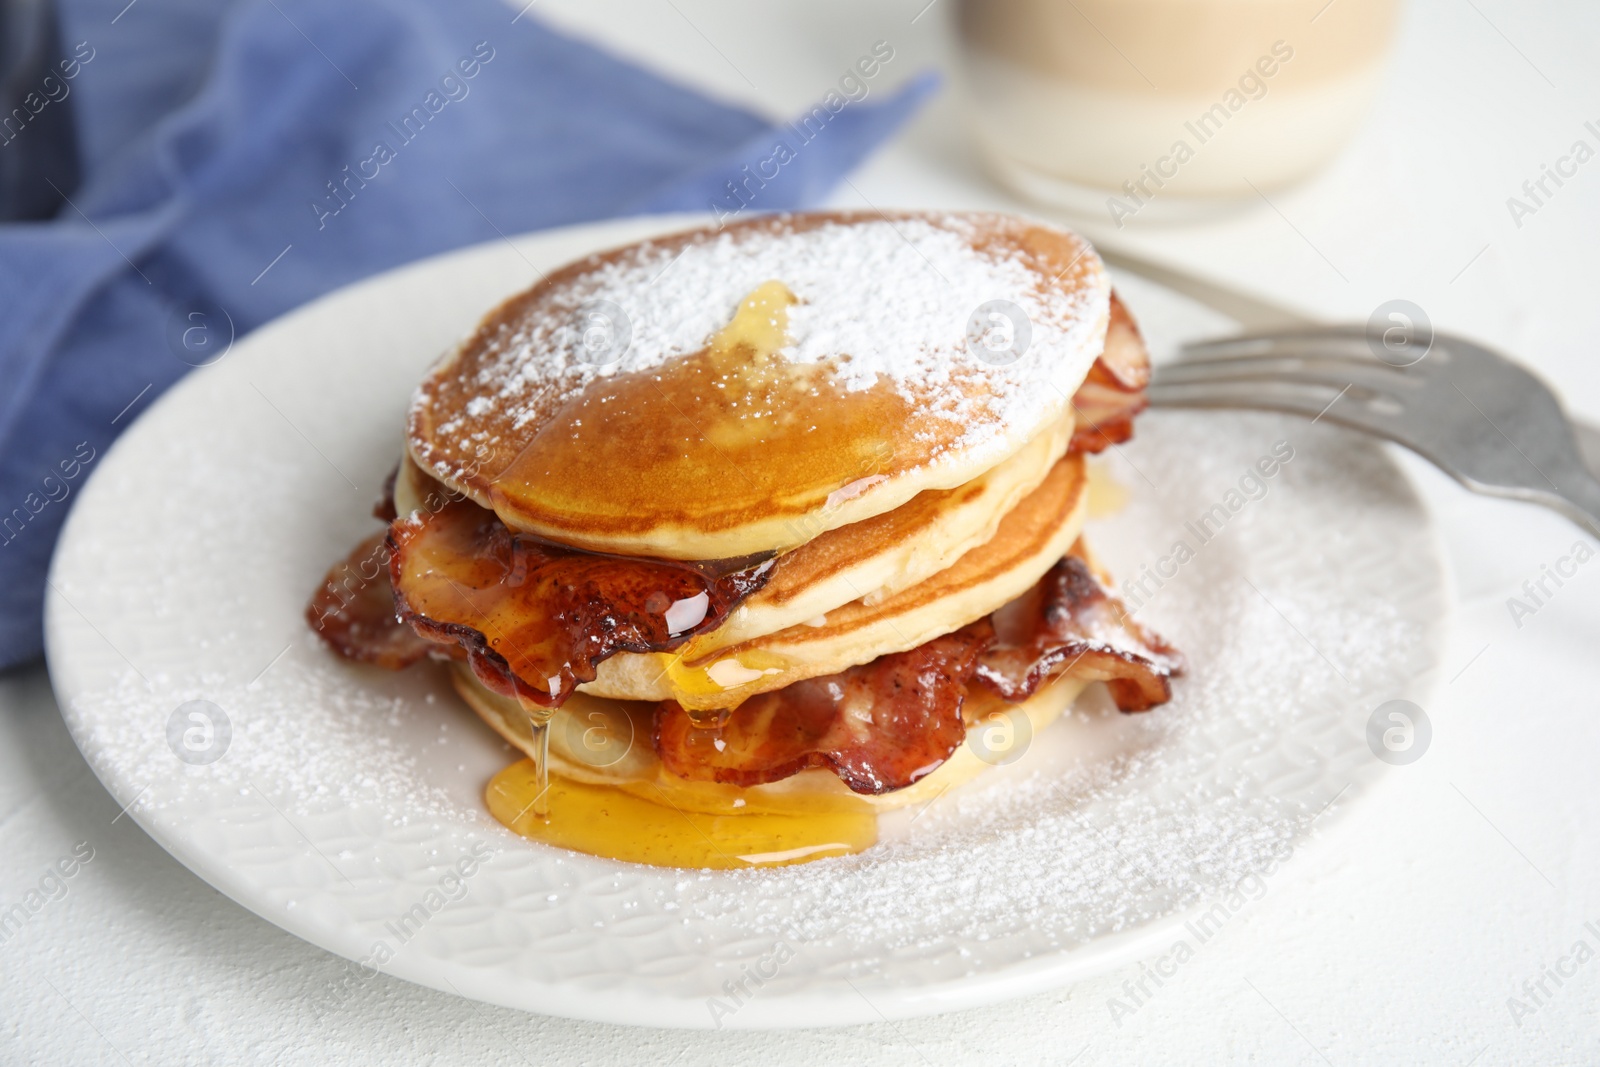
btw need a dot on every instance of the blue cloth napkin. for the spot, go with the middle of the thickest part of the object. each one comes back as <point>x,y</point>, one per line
<point>240,159</point>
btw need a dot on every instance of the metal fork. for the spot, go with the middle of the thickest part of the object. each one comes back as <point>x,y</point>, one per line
<point>1478,416</point>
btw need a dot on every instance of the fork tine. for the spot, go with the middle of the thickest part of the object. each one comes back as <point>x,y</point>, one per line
<point>1310,400</point>
<point>1297,399</point>
<point>1324,370</point>
<point>1285,337</point>
<point>1345,341</point>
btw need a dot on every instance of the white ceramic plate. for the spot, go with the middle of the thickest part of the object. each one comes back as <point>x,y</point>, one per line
<point>343,802</point>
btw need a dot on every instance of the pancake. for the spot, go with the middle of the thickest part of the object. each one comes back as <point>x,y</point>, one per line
<point>868,560</point>
<point>626,725</point>
<point>1028,541</point>
<point>723,393</point>
<point>875,558</point>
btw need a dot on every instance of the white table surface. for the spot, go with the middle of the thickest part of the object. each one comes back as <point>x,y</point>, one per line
<point>1397,938</point>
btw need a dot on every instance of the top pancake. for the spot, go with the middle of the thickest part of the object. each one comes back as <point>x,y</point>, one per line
<point>666,399</point>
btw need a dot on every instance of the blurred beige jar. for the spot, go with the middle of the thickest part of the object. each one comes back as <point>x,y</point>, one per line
<point>1160,109</point>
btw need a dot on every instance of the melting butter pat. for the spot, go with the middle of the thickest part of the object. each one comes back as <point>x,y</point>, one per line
<point>760,326</point>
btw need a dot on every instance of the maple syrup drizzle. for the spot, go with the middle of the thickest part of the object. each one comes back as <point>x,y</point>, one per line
<point>539,726</point>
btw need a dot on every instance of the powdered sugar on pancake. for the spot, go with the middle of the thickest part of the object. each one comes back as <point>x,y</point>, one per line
<point>879,298</point>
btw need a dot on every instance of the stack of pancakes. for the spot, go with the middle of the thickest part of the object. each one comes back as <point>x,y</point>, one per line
<point>789,505</point>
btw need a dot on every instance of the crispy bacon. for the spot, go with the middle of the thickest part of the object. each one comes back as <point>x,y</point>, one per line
<point>883,725</point>
<point>1113,392</point>
<point>535,618</point>
<point>353,610</point>
<point>879,726</point>
<point>1070,623</point>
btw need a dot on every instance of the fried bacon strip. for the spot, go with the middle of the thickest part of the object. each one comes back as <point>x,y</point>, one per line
<point>879,726</point>
<point>1070,623</point>
<point>883,725</point>
<point>1113,392</point>
<point>535,618</point>
<point>353,610</point>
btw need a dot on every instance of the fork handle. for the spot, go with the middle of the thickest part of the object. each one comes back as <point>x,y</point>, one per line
<point>1587,436</point>
<point>1579,500</point>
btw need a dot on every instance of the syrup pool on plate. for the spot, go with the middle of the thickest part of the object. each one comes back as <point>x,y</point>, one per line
<point>668,830</point>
